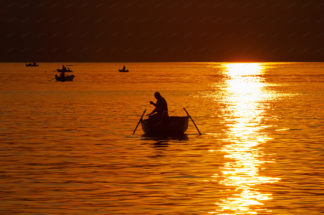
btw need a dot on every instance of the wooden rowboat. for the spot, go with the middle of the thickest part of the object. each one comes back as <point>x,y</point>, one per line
<point>173,126</point>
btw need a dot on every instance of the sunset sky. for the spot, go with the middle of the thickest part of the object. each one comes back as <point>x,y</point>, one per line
<point>162,30</point>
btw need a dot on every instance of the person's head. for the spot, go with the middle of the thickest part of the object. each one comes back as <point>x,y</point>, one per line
<point>157,95</point>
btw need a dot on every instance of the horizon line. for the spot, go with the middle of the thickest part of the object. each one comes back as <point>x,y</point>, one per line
<point>163,61</point>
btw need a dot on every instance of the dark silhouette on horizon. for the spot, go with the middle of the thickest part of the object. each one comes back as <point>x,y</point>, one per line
<point>123,69</point>
<point>33,64</point>
<point>62,77</point>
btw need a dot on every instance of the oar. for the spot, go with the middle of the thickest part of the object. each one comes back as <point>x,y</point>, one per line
<point>139,121</point>
<point>192,120</point>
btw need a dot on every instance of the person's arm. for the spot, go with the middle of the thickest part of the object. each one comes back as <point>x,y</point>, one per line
<point>155,109</point>
<point>152,112</point>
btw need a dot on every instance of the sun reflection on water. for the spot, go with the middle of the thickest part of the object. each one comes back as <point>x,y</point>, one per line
<point>244,99</point>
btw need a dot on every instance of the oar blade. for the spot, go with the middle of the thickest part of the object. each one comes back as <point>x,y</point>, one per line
<point>192,121</point>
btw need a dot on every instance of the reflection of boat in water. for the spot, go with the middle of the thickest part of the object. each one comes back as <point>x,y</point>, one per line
<point>173,126</point>
<point>123,69</point>
<point>62,77</point>
<point>34,64</point>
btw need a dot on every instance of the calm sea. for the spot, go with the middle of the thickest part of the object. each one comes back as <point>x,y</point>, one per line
<point>67,148</point>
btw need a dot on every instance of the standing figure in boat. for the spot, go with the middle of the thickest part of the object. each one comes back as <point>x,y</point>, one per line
<point>123,69</point>
<point>63,70</point>
<point>62,77</point>
<point>160,111</point>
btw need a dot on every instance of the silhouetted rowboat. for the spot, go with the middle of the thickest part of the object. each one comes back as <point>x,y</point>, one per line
<point>123,70</point>
<point>65,78</point>
<point>34,64</point>
<point>62,77</point>
<point>173,126</point>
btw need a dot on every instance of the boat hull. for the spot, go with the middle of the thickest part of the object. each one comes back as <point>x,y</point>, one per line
<point>65,78</point>
<point>173,126</point>
<point>123,70</point>
<point>32,65</point>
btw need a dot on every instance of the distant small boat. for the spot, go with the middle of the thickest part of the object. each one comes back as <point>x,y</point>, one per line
<point>173,126</point>
<point>62,77</point>
<point>34,64</point>
<point>123,69</point>
<point>65,78</point>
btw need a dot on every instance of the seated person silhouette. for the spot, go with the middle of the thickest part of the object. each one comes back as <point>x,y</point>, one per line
<point>160,111</point>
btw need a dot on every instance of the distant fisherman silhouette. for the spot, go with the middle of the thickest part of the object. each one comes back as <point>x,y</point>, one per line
<point>63,71</point>
<point>161,108</point>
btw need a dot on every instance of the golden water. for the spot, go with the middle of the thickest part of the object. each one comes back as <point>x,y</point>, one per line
<point>67,148</point>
